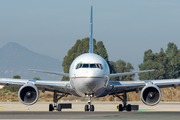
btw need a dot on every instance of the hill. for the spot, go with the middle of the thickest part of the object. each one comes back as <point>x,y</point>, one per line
<point>16,60</point>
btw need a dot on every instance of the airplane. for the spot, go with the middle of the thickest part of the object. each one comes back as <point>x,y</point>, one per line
<point>89,76</point>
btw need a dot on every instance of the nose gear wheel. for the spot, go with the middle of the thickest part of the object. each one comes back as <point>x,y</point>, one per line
<point>89,106</point>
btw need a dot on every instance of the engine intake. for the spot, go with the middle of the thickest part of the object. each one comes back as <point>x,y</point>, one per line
<point>151,95</point>
<point>28,94</point>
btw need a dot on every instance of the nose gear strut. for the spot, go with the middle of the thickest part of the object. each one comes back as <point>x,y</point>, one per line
<point>89,106</point>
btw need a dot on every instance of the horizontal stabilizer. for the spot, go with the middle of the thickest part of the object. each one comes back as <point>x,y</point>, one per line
<point>50,72</point>
<point>129,73</point>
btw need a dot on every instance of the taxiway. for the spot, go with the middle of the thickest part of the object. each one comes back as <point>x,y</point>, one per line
<point>103,110</point>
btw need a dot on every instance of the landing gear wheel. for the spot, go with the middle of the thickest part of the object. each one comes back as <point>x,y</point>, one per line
<point>128,107</point>
<point>51,108</point>
<point>91,107</point>
<point>59,107</point>
<point>120,107</point>
<point>86,108</point>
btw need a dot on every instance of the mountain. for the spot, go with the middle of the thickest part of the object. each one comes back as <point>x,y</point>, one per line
<point>16,60</point>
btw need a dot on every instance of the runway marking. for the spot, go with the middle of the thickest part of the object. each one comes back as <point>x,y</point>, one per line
<point>146,109</point>
<point>111,109</point>
<point>138,110</point>
<point>17,108</point>
<point>88,77</point>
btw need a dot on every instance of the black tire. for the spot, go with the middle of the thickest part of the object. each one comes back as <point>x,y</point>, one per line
<point>51,108</point>
<point>128,107</point>
<point>91,107</point>
<point>120,107</point>
<point>86,108</point>
<point>59,107</point>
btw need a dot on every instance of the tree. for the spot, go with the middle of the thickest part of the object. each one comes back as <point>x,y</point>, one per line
<point>80,47</point>
<point>172,50</point>
<point>157,74</point>
<point>173,56</point>
<point>166,64</point>
<point>102,50</point>
<point>148,55</point>
<point>14,89</point>
<point>17,77</point>
<point>36,78</point>
<point>113,69</point>
<point>121,66</point>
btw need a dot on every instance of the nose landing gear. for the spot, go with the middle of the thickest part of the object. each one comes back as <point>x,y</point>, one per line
<point>89,106</point>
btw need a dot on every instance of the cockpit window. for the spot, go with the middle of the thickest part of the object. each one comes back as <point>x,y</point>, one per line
<point>85,65</point>
<point>101,66</point>
<point>78,66</point>
<point>93,66</point>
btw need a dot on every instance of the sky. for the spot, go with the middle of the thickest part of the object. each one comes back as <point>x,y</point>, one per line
<point>127,27</point>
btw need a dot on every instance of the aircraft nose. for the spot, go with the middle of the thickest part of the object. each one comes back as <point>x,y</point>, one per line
<point>90,72</point>
<point>90,84</point>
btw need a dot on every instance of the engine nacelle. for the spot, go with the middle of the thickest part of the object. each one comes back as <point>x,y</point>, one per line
<point>28,94</point>
<point>151,95</point>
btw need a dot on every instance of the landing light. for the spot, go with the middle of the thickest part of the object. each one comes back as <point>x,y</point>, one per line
<point>89,94</point>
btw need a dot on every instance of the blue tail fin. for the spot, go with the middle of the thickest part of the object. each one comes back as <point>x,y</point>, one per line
<point>91,32</point>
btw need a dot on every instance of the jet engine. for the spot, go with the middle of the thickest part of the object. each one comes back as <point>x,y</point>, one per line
<point>151,95</point>
<point>28,94</point>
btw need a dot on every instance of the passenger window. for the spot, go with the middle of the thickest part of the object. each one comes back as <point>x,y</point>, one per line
<point>85,65</point>
<point>92,65</point>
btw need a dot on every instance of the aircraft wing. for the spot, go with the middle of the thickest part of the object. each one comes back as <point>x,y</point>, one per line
<point>120,86</point>
<point>50,72</point>
<point>128,73</point>
<point>60,86</point>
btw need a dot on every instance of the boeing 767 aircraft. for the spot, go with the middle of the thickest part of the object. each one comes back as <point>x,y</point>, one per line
<point>89,76</point>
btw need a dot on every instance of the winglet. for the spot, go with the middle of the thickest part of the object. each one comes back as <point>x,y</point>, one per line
<point>91,32</point>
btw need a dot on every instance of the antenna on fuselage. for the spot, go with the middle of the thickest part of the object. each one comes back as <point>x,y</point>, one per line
<point>91,32</point>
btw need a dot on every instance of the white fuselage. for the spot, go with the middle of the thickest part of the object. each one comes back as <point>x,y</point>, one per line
<point>89,75</point>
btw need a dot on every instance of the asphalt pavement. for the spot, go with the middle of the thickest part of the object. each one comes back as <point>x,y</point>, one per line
<point>103,110</point>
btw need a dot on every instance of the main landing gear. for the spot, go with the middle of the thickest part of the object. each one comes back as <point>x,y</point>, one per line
<point>57,106</point>
<point>126,107</point>
<point>89,106</point>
